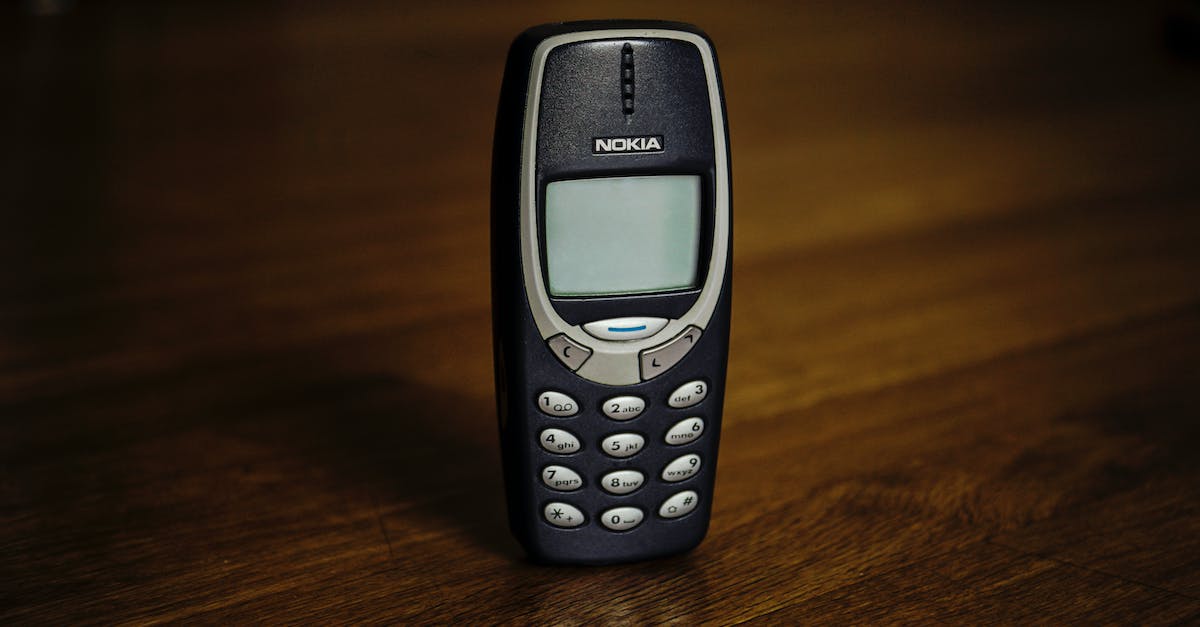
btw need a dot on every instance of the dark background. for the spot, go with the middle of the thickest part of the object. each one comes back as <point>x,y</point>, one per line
<point>245,361</point>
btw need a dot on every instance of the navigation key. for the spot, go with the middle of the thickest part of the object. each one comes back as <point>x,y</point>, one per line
<point>571,353</point>
<point>659,359</point>
<point>621,329</point>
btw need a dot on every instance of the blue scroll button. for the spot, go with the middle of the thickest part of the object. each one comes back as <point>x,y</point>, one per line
<point>634,328</point>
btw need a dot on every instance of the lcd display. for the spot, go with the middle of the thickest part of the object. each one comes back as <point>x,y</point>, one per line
<point>622,235</point>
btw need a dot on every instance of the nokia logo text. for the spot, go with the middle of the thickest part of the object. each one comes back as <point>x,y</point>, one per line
<point>609,145</point>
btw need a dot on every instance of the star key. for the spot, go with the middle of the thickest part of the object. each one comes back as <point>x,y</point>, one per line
<point>563,515</point>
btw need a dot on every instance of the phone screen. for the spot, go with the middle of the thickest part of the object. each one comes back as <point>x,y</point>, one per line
<point>622,235</point>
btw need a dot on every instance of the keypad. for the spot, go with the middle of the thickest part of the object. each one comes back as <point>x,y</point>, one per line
<point>610,458</point>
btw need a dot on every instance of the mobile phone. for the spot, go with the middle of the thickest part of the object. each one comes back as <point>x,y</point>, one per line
<point>611,251</point>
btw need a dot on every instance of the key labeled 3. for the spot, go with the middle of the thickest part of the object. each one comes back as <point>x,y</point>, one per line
<point>688,394</point>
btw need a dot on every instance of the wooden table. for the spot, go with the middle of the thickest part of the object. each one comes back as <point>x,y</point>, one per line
<point>245,364</point>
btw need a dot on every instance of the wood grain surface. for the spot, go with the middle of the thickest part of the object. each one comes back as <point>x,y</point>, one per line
<point>245,363</point>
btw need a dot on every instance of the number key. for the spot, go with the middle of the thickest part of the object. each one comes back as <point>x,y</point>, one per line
<point>622,481</point>
<point>688,394</point>
<point>682,468</point>
<point>621,518</point>
<point>558,441</point>
<point>684,431</point>
<point>557,404</point>
<point>622,444</point>
<point>561,478</point>
<point>624,407</point>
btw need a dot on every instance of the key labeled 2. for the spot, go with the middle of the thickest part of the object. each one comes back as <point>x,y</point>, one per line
<point>624,407</point>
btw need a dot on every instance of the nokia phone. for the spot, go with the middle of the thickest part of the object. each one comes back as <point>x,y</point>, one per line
<point>611,236</point>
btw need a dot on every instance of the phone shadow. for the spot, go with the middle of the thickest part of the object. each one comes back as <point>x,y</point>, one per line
<point>427,457</point>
